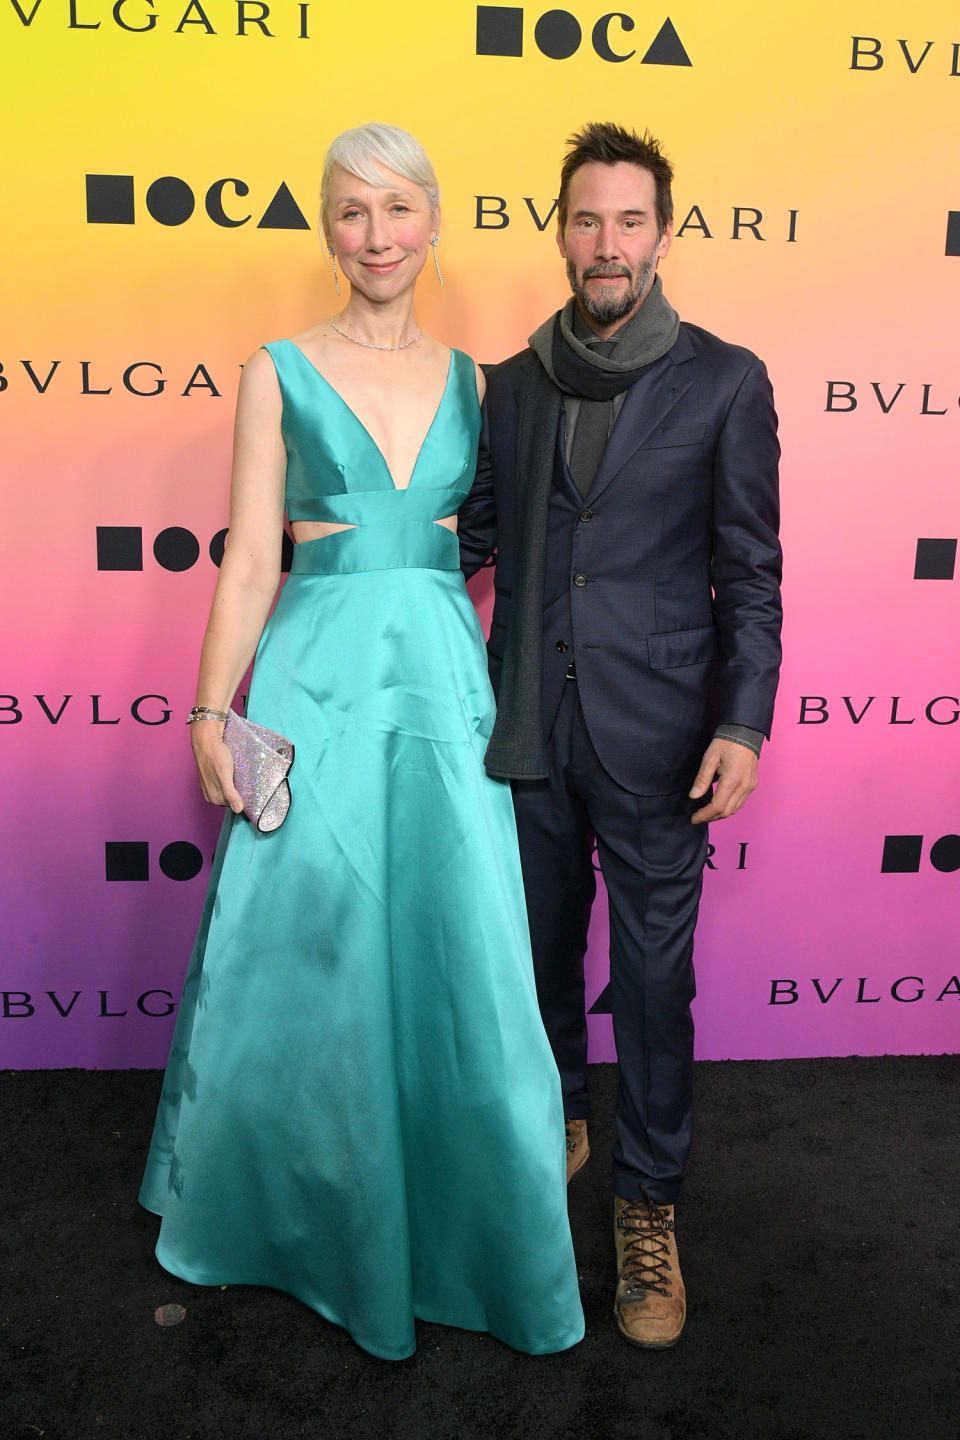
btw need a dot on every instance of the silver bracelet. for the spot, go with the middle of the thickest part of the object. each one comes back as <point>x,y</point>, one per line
<point>206,712</point>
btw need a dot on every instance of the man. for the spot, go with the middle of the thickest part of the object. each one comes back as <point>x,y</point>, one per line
<point>628,482</point>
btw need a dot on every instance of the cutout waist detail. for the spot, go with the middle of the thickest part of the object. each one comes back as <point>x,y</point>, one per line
<point>399,545</point>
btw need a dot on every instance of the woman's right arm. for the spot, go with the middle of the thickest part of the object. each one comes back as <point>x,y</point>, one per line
<point>249,572</point>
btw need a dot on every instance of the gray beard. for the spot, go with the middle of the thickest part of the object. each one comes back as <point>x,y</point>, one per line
<point>608,309</point>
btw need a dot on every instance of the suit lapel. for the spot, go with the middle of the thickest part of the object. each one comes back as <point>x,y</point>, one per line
<point>646,406</point>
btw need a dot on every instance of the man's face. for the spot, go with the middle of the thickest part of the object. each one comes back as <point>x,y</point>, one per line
<point>610,240</point>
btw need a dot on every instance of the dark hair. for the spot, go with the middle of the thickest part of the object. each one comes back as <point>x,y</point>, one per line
<point>609,144</point>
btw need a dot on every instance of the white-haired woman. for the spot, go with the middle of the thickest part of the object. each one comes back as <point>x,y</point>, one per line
<point>361,1106</point>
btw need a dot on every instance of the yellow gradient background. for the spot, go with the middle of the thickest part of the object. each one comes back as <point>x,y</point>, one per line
<point>768,115</point>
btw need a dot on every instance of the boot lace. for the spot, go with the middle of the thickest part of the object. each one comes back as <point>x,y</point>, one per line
<point>646,1248</point>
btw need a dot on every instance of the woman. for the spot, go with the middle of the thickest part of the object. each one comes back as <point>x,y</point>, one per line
<point>360,1106</point>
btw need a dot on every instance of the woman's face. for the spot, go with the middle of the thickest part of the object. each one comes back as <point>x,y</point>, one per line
<point>381,236</point>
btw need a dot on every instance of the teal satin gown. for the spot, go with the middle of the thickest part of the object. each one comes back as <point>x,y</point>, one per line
<point>361,1106</point>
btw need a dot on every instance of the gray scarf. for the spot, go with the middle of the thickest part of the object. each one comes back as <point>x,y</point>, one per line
<point>577,369</point>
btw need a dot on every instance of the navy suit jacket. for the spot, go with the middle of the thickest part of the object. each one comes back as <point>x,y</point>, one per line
<point>677,625</point>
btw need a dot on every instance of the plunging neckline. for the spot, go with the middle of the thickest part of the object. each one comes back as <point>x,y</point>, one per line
<point>353,414</point>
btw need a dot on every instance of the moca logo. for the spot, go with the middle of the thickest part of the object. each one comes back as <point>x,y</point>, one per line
<point>130,860</point>
<point>111,200</point>
<point>902,854</point>
<point>120,547</point>
<point>558,35</point>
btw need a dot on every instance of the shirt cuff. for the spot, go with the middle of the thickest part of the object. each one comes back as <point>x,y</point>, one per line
<point>740,735</point>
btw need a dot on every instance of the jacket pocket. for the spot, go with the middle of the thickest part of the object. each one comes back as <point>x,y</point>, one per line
<point>675,435</point>
<point>682,647</point>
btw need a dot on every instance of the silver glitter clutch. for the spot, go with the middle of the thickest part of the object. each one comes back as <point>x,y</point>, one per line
<point>261,762</point>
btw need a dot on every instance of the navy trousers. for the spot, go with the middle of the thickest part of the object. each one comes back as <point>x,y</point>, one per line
<point>652,861</point>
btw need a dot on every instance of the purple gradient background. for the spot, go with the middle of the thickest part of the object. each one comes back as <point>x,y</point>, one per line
<point>859,489</point>
<point>811,901</point>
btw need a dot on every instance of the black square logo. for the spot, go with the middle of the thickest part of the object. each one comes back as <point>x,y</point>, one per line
<point>499,30</point>
<point>953,233</point>
<point>901,854</point>
<point>119,547</point>
<point>127,859</point>
<point>936,560</point>
<point>110,200</point>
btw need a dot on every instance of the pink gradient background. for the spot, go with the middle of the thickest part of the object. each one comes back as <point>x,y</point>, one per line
<point>866,294</point>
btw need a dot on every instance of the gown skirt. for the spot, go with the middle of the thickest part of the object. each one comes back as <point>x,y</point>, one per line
<point>361,1107</point>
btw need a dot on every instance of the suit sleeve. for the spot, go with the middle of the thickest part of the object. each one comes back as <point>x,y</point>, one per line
<point>746,567</point>
<point>477,517</point>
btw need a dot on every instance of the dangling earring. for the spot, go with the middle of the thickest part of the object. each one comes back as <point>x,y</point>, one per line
<point>435,242</point>
<point>336,278</point>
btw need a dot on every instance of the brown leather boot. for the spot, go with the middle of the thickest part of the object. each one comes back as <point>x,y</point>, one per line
<point>578,1147</point>
<point>651,1304</point>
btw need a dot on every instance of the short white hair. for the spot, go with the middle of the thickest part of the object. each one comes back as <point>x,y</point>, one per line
<point>363,150</point>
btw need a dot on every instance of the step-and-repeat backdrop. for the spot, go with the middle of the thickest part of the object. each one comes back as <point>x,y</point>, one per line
<point>161,162</point>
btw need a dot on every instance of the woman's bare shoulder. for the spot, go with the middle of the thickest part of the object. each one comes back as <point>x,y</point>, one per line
<point>259,386</point>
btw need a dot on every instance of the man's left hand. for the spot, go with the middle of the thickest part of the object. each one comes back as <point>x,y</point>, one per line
<point>734,767</point>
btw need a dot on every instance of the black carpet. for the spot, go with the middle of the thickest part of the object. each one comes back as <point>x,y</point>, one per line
<point>818,1233</point>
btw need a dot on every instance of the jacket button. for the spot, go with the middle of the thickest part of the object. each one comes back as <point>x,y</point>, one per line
<point>561,647</point>
<point>580,581</point>
<point>586,515</point>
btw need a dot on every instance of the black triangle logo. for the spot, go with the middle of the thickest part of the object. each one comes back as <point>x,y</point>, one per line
<point>666,48</point>
<point>602,1004</point>
<point>283,213</point>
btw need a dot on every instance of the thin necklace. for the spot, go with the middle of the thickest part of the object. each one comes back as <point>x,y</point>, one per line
<point>369,346</point>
